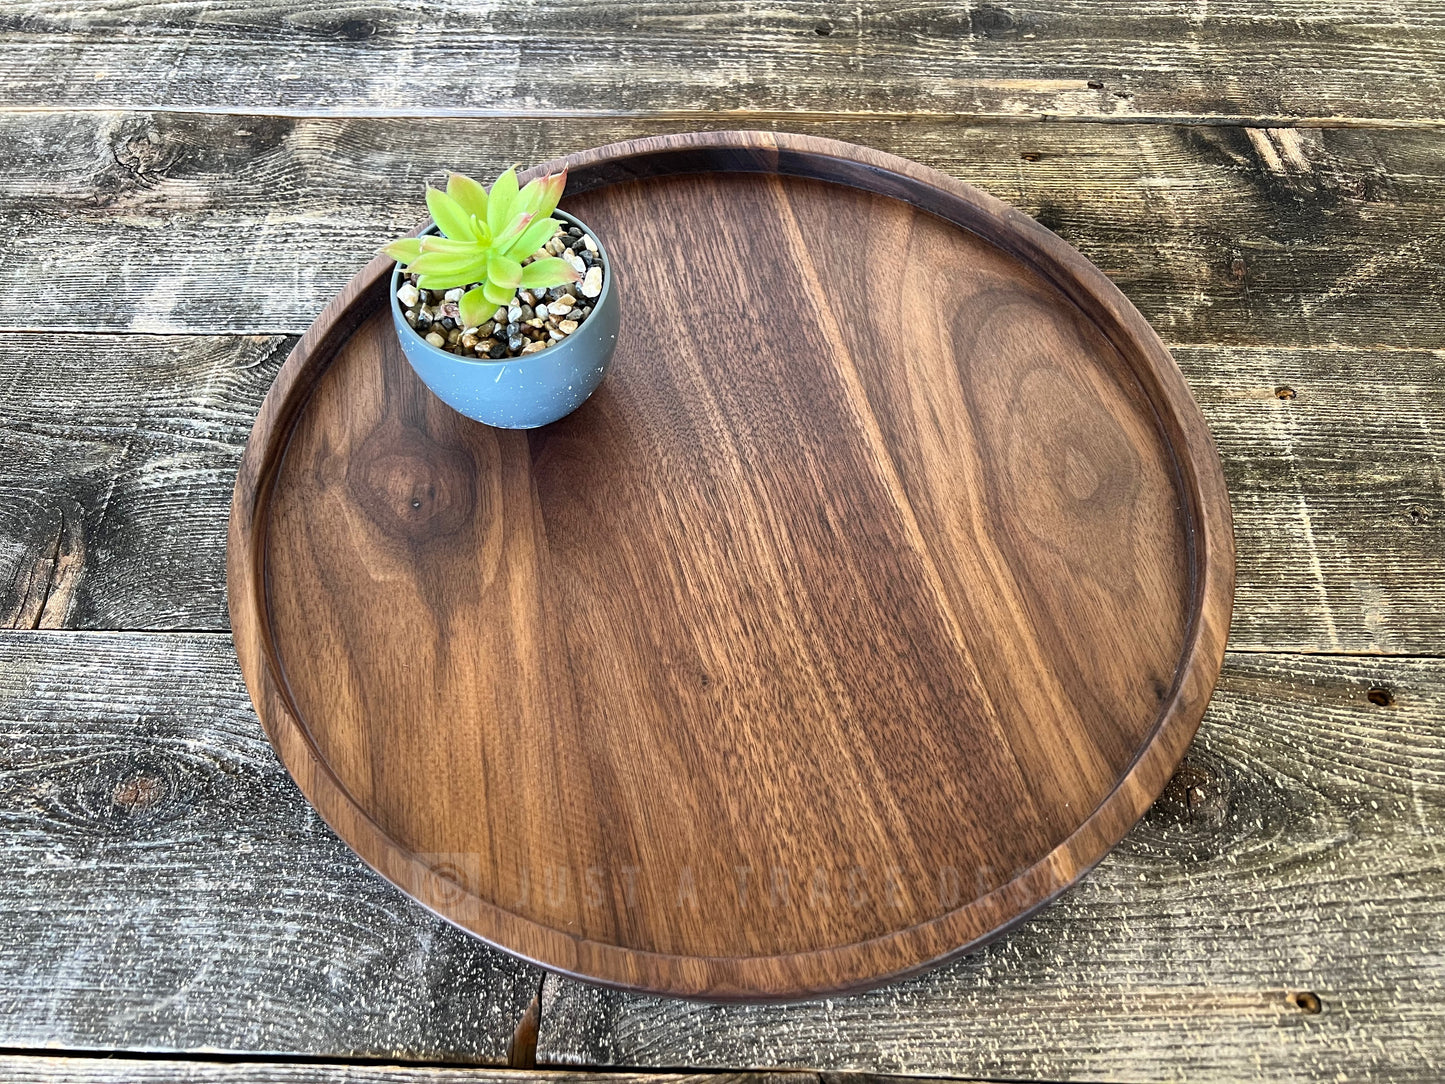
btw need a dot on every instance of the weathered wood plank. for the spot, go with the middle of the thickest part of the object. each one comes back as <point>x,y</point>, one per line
<point>22,1069</point>
<point>250,224</point>
<point>167,888</point>
<point>1304,59</point>
<point>1335,462</point>
<point>117,455</point>
<point>1280,913</point>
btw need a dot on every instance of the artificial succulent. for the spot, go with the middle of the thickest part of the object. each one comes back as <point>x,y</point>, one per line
<point>490,241</point>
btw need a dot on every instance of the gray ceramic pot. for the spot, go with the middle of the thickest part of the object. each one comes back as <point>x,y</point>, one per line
<point>525,392</point>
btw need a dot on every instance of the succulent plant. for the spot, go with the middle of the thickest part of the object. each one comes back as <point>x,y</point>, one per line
<point>490,239</point>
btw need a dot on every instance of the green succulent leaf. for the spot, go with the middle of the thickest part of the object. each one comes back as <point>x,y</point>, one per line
<point>501,202</point>
<point>448,270</point>
<point>541,195</point>
<point>504,241</point>
<point>434,243</point>
<point>476,307</point>
<point>530,198</point>
<point>554,189</point>
<point>447,263</point>
<point>449,215</point>
<point>404,251</point>
<point>534,237</point>
<point>482,237</point>
<point>504,271</point>
<point>546,273</point>
<point>469,194</point>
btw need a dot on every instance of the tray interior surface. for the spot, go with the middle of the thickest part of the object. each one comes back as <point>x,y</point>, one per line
<point>861,582</point>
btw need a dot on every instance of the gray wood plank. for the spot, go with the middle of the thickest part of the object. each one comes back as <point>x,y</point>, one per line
<point>1042,59</point>
<point>171,223</point>
<point>1280,913</point>
<point>22,1069</point>
<point>117,455</point>
<point>165,886</point>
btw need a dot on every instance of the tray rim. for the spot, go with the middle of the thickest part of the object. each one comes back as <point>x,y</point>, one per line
<point>836,969</point>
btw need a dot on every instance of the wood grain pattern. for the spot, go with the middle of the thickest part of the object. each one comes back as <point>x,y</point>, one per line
<point>117,457</point>
<point>1280,252</point>
<point>121,451</point>
<point>1297,852</point>
<point>1283,237</point>
<point>165,888</point>
<point>1297,61</point>
<point>41,1070</point>
<point>494,658</point>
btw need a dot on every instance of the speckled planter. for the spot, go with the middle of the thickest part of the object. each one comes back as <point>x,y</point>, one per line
<point>522,392</point>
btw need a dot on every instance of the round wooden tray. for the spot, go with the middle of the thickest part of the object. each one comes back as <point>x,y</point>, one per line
<point>868,603</point>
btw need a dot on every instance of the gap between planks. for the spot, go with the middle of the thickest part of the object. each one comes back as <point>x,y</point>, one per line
<point>81,1066</point>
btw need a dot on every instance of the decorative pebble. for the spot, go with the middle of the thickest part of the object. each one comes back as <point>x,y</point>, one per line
<point>499,351</point>
<point>436,340</point>
<point>592,282</point>
<point>526,297</point>
<point>500,316</point>
<point>589,243</point>
<point>514,314</point>
<point>453,295</point>
<point>533,347</point>
<point>561,304</point>
<point>566,327</point>
<point>575,260</point>
<point>408,295</point>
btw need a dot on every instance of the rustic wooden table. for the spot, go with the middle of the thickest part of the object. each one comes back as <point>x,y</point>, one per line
<point>188,183</point>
